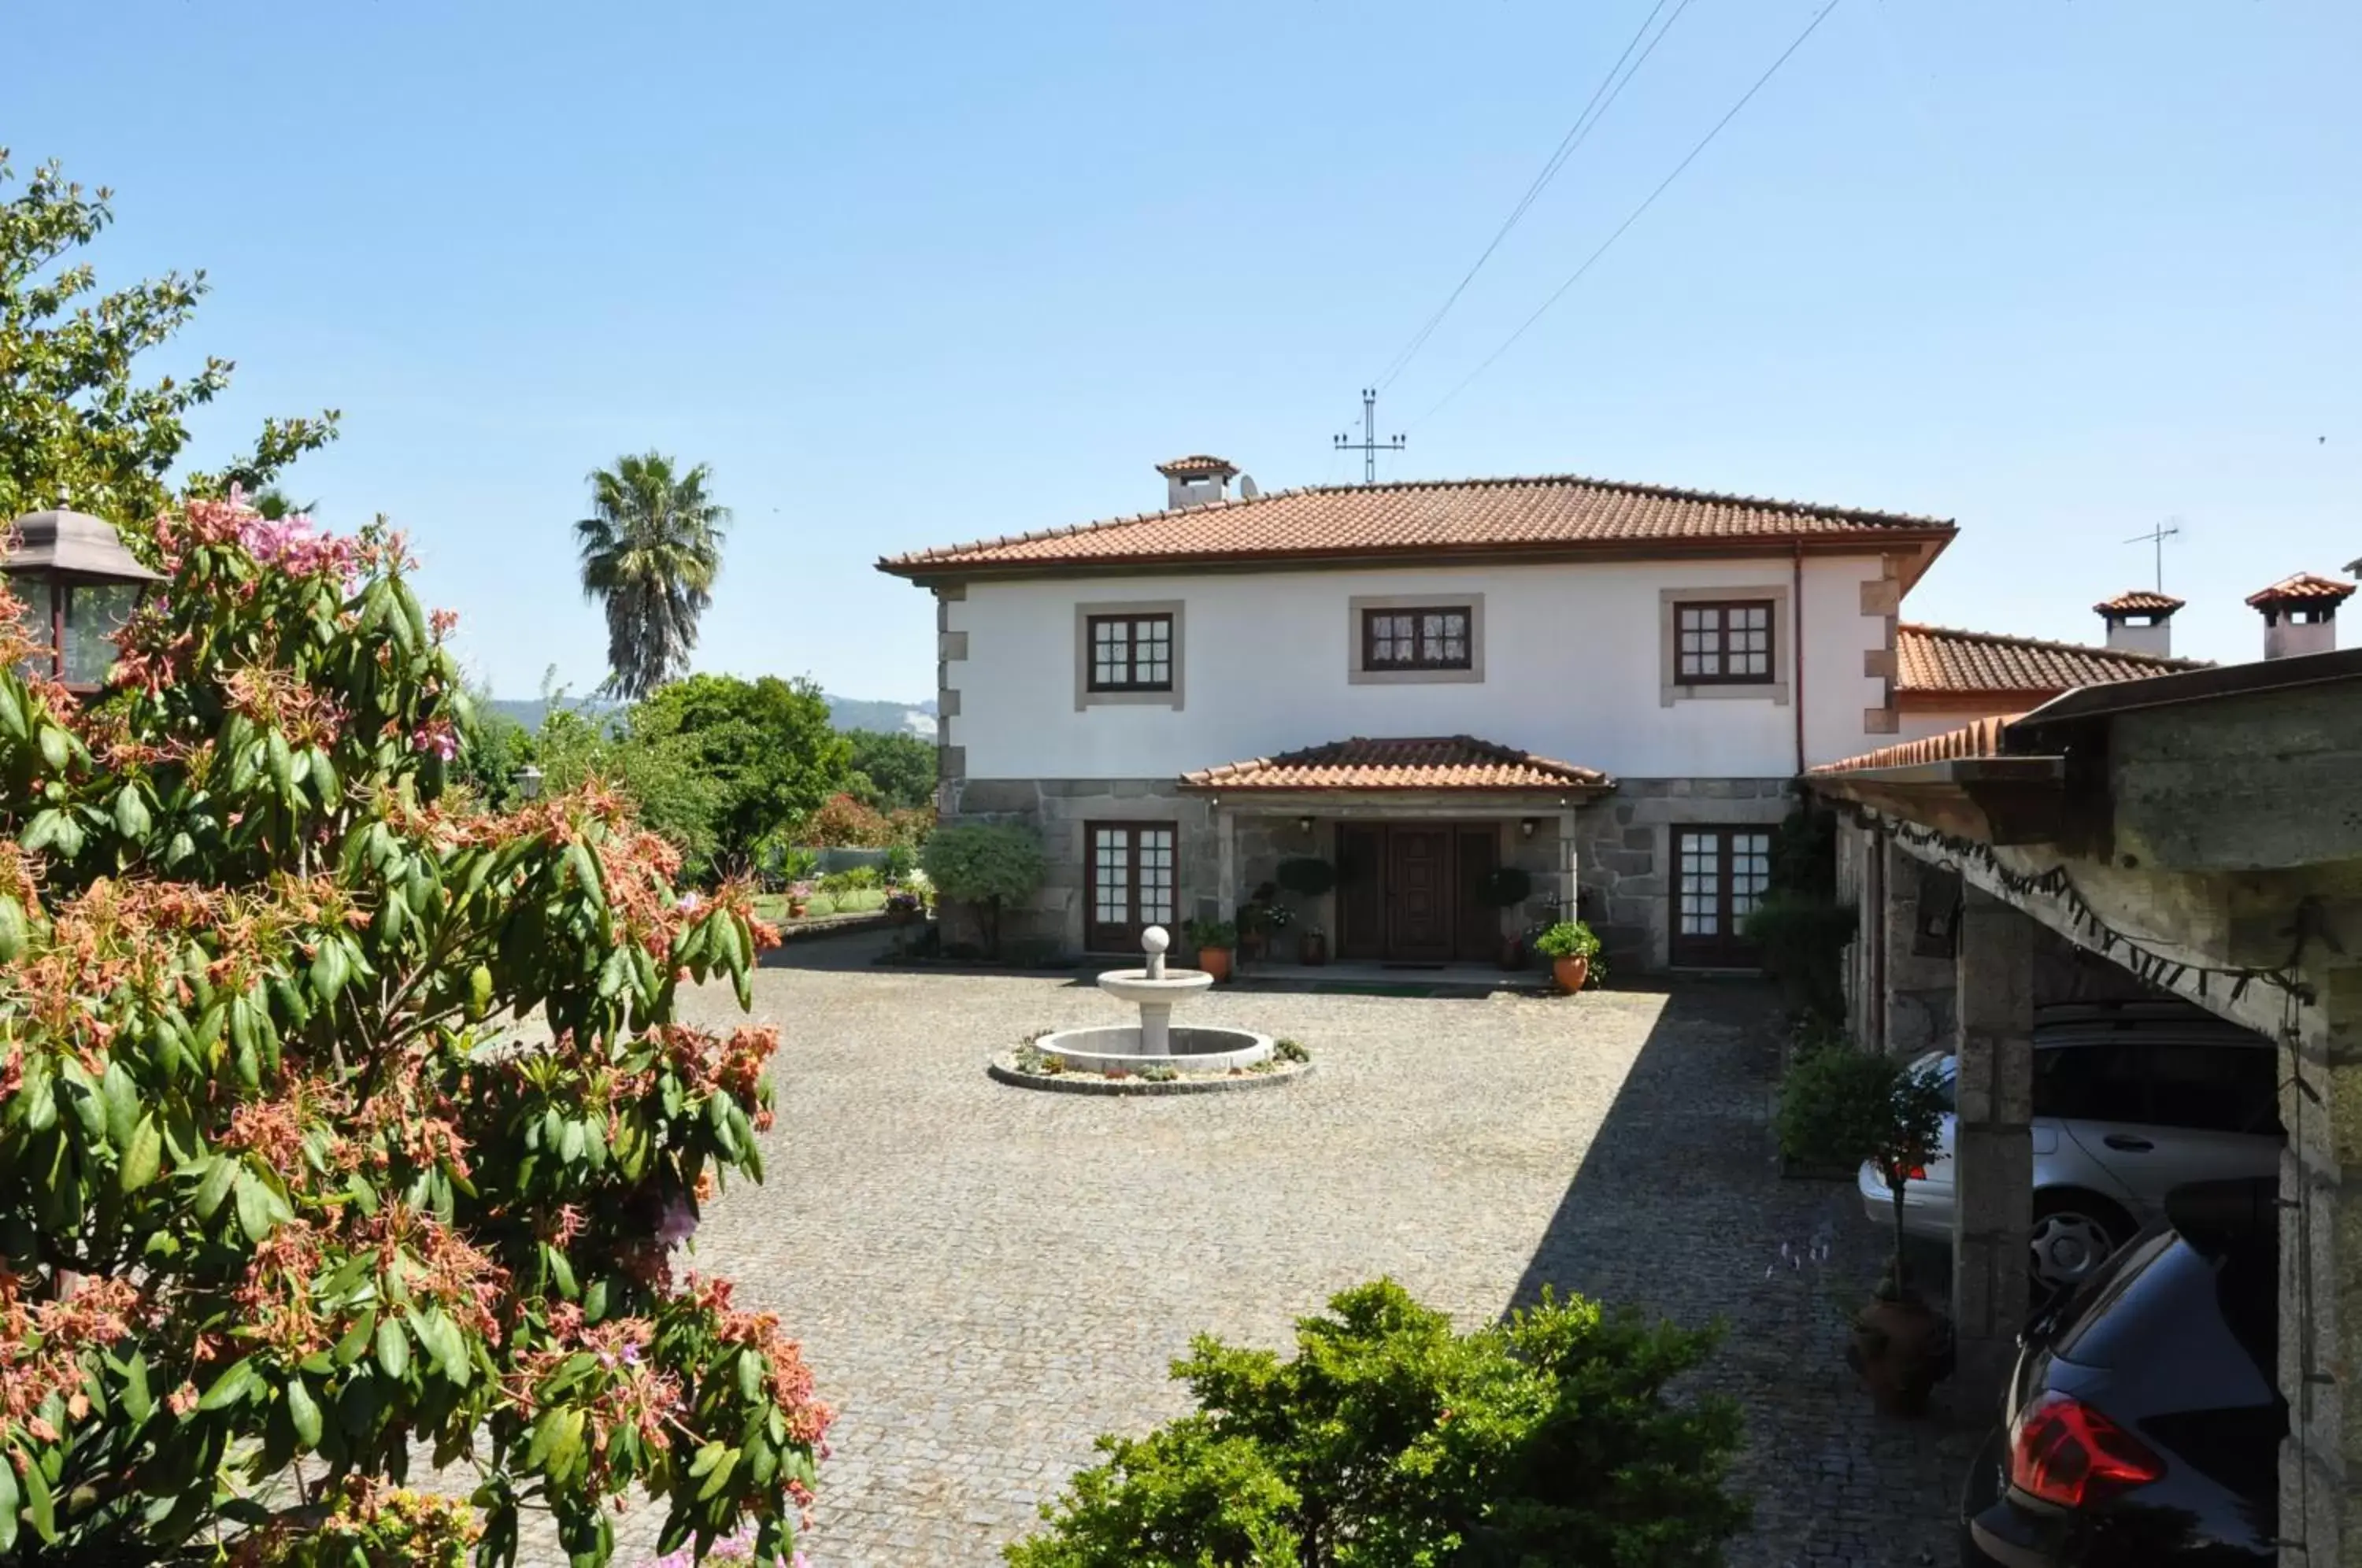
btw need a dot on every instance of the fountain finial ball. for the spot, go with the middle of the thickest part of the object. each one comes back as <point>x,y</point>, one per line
<point>1155,939</point>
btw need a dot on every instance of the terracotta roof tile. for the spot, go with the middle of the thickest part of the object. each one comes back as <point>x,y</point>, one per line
<point>2304,588</point>
<point>1446,762</point>
<point>1982,738</point>
<point>1508,514</point>
<point>2139,602</point>
<point>1197,463</point>
<point>1939,661</point>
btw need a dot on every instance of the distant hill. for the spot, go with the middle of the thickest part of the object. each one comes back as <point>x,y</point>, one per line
<point>844,712</point>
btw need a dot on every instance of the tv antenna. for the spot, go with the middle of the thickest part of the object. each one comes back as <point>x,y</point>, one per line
<point>2156,537</point>
<point>1369,446</point>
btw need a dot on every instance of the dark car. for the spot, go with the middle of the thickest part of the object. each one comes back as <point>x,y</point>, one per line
<point>2142,1424</point>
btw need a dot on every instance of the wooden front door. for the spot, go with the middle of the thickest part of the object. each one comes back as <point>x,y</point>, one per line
<point>1720,874</point>
<point>1129,884</point>
<point>1421,894</point>
<point>1360,891</point>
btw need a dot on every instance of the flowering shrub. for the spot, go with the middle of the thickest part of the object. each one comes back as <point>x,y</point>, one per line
<point>275,1188</point>
<point>844,822</point>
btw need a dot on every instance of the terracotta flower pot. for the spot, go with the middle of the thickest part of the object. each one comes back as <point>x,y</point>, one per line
<point>1215,961</point>
<point>1512,954</point>
<point>1569,973</point>
<point>796,909</point>
<point>1312,948</point>
<point>1902,1348</point>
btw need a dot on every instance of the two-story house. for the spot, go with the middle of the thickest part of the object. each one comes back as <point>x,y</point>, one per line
<point>1610,685</point>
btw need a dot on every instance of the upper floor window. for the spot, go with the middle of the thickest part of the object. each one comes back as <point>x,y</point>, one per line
<point>1429,638</point>
<point>1416,638</point>
<point>1724,643</point>
<point>1128,651</point>
<point>1131,653</point>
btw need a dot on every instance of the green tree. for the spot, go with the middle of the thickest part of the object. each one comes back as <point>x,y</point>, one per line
<point>990,865</point>
<point>75,423</point>
<point>765,746</point>
<point>661,776</point>
<point>651,549</point>
<point>896,770</point>
<point>1391,1441</point>
<point>282,1192</point>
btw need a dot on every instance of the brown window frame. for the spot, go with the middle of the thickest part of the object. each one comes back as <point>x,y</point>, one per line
<point>1124,936</point>
<point>1131,621</point>
<point>1683,675</point>
<point>1421,658</point>
<point>1725,946</point>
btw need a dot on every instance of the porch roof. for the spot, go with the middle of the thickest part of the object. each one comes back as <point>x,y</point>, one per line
<point>1400,765</point>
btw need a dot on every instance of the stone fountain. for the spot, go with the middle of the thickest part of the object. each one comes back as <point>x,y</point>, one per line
<point>1153,1042</point>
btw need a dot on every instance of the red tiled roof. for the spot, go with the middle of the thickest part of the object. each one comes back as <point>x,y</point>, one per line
<point>1982,738</point>
<point>1447,762</point>
<point>2304,588</point>
<point>1936,661</point>
<point>1197,463</point>
<point>2139,602</point>
<point>1541,515</point>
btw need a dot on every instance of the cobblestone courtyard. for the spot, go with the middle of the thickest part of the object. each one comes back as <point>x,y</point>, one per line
<point>985,1277</point>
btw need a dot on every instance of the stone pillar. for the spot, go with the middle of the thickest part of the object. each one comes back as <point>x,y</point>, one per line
<point>1568,865</point>
<point>2321,1276</point>
<point>1993,1151</point>
<point>1226,877</point>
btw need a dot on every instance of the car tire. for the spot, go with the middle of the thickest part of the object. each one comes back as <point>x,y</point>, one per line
<point>2074,1231</point>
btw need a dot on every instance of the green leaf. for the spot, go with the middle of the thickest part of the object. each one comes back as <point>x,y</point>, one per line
<point>479,992</point>
<point>565,1443</point>
<point>706,1458</point>
<point>121,1094</point>
<point>328,970</point>
<point>304,1413</point>
<point>137,1401</point>
<point>12,718</point>
<point>8,1503</point>
<point>216,1186</point>
<point>230,1388</point>
<point>283,762</point>
<point>57,748</point>
<point>570,1142</point>
<point>393,1348</point>
<point>141,1161</point>
<point>253,1205</point>
<point>750,1373</point>
<point>37,1506</point>
<point>721,1477</point>
<point>14,931</point>
<point>131,818</point>
<point>357,1338</point>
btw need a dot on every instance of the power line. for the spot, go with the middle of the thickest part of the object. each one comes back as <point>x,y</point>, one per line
<point>1608,244</point>
<point>1576,135</point>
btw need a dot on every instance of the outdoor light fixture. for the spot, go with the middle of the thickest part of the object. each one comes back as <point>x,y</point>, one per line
<point>527,781</point>
<point>1304,824</point>
<point>73,571</point>
<point>1526,826</point>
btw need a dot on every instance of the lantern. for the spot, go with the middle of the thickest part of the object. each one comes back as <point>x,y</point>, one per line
<point>76,579</point>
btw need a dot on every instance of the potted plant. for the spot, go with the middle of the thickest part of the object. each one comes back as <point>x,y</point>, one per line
<point>1215,940</point>
<point>1257,918</point>
<point>1308,877</point>
<point>1840,1105</point>
<point>798,899</point>
<point>1504,887</point>
<point>1570,945</point>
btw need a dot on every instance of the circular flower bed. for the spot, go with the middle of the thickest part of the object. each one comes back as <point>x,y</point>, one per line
<point>1030,1067</point>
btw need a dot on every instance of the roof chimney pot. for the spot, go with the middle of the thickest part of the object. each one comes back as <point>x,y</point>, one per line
<point>2300,613</point>
<point>2140,622</point>
<point>1195,481</point>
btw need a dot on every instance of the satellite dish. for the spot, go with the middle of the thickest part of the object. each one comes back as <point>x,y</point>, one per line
<point>1248,488</point>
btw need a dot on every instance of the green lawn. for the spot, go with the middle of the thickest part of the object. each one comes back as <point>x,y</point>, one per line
<point>773,907</point>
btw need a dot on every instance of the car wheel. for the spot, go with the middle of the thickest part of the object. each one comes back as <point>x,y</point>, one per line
<point>2073,1234</point>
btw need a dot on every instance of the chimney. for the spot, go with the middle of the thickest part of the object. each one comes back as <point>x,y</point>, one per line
<point>2300,613</point>
<point>1195,481</point>
<point>2140,622</point>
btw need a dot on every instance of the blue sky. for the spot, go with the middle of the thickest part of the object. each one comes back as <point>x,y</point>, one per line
<point>2058,269</point>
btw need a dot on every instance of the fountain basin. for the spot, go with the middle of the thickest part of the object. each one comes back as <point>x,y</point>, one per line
<point>1142,988</point>
<point>1119,1048</point>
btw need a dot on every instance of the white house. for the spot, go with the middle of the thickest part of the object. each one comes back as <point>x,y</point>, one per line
<point>1611,686</point>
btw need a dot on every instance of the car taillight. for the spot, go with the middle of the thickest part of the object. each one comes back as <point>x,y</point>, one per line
<point>2064,1451</point>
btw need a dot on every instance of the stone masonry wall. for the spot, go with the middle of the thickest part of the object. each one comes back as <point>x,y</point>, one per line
<point>1623,863</point>
<point>1056,808</point>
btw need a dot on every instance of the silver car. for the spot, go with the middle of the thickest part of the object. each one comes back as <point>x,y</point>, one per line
<point>2131,1099</point>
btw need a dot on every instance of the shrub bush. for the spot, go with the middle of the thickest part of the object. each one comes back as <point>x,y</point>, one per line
<point>1568,939</point>
<point>273,1190</point>
<point>989,864</point>
<point>1548,1438</point>
<point>1308,876</point>
<point>844,822</point>
<point>1840,1105</point>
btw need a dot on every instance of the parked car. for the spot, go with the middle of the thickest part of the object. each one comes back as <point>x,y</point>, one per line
<point>2142,1426</point>
<point>2131,1099</point>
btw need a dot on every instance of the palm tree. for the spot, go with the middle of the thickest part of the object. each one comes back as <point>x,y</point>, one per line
<point>650,550</point>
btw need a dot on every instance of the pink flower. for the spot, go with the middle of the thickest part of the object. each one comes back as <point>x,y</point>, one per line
<point>677,1223</point>
<point>438,736</point>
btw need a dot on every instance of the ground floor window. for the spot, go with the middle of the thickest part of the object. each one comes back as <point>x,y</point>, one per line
<point>1719,874</point>
<point>1130,884</point>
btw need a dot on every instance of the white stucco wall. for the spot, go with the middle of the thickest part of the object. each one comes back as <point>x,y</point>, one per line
<point>1572,670</point>
<point>1919,726</point>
